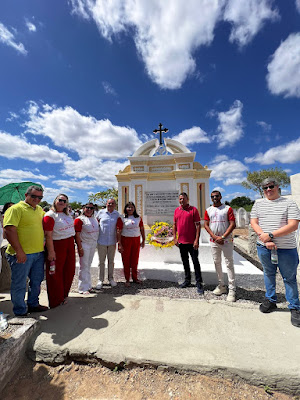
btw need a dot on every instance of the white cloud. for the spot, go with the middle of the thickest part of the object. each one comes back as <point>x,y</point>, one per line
<point>71,184</point>
<point>103,173</point>
<point>85,135</point>
<point>165,37</point>
<point>12,117</point>
<point>8,38</point>
<point>231,196</point>
<point>247,18</point>
<point>21,175</point>
<point>266,127</point>
<point>286,154</point>
<point>230,172</point>
<point>108,88</point>
<point>17,147</point>
<point>31,27</point>
<point>298,5</point>
<point>192,135</point>
<point>230,125</point>
<point>284,68</point>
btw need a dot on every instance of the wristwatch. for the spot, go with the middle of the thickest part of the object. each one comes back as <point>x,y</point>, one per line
<point>271,235</point>
<point>223,237</point>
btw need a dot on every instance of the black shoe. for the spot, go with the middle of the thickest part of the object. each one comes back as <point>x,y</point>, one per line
<point>295,317</point>
<point>185,284</point>
<point>267,306</point>
<point>200,288</point>
<point>38,308</point>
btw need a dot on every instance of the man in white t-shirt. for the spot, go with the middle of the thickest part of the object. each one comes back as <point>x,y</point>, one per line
<point>219,222</point>
<point>275,220</point>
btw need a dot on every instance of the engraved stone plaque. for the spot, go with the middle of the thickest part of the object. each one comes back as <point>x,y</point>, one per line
<point>161,203</point>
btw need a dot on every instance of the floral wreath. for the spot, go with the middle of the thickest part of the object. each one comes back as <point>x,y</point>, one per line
<point>161,235</point>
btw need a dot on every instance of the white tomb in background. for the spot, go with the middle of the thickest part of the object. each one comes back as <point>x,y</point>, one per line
<point>157,173</point>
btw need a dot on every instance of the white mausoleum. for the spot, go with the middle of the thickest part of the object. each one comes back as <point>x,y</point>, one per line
<point>157,173</point>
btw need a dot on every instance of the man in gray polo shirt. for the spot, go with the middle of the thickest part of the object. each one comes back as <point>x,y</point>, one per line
<point>107,241</point>
<point>275,220</point>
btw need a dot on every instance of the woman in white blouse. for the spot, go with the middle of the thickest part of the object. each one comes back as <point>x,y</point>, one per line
<point>59,234</point>
<point>130,228</point>
<point>86,236</point>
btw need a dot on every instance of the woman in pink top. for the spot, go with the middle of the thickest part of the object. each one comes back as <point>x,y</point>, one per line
<point>129,230</point>
<point>59,234</point>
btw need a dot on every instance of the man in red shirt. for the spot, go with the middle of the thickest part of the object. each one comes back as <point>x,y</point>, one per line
<point>219,223</point>
<point>187,225</point>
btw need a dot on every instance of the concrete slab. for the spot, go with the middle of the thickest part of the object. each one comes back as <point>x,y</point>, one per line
<point>200,335</point>
<point>190,334</point>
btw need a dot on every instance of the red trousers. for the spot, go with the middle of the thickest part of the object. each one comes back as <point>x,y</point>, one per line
<point>130,256</point>
<point>59,283</point>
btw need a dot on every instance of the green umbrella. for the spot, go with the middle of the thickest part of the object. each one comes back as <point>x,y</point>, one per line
<point>14,192</point>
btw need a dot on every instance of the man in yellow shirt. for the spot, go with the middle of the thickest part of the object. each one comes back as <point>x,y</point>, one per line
<point>25,253</point>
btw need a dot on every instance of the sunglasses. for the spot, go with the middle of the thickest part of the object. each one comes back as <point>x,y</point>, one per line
<point>62,200</point>
<point>268,187</point>
<point>89,208</point>
<point>34,196</point>
<point>217,195</point>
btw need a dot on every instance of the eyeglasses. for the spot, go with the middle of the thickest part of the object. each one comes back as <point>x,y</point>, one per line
<point>34,196</point>
<point>62,200</point>
<point>216,195</point>
<point>89,208</point>
<point>268,187</point>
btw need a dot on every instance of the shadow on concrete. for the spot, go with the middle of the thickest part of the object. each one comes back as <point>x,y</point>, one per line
<point>45,385</point>
<point>67,322</point>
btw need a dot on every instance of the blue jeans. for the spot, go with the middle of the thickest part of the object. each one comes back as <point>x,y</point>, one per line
<point>288,261</point>
<point>33,268</point>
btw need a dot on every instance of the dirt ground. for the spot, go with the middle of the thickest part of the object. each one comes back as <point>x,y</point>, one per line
<point>93,381</point>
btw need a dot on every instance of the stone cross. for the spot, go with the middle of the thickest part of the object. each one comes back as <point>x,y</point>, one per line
<point>160,130</point>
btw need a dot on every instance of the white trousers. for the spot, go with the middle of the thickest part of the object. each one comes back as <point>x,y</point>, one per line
<point>109,252</point>
<point>227,249</point>
<point>84,277</point>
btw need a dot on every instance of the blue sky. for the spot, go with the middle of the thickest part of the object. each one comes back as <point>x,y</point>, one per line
<point>83,84</point>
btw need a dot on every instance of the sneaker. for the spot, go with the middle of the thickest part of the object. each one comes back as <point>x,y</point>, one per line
<point>231,295</point>
<point>219,290</point>
<point>200,288</point>
<point>185,284</point>
<point>267,306</point>
<point>112,283</point>
<point>295,317</point>
<point>99,285</point>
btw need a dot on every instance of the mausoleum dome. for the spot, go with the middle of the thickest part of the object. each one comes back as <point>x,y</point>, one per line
<point>149,148</point>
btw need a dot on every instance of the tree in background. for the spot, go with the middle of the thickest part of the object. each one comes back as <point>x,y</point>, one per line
<point>242,201</point>
<point>102,197</point>
<point>76,205</point>
<point>255,178</point>
<point>44,203</point>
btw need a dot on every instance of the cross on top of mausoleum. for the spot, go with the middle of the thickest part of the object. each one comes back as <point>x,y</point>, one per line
<point>160,130</point>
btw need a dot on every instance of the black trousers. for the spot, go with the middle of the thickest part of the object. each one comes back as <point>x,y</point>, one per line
<point>185,250</point>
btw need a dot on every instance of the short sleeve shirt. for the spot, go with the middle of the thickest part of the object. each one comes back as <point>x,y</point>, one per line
<point>219,218</point>
<point>88,228</point>
<point>130,226</point>
<point>61,224</point>
<point>274,214</point>
<point>28,221</point>
<point>107,227</point>
<point>185,220</point>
